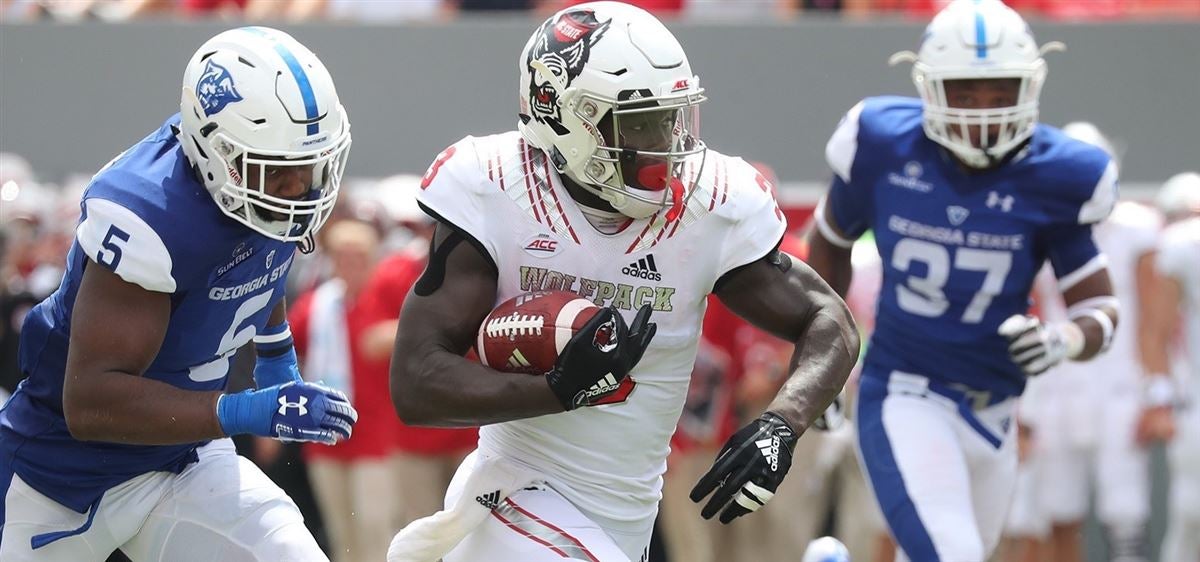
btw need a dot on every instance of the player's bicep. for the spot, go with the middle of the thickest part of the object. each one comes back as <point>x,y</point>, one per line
<point>115,325</point>
<point>450,299</point>
<point>778,294</point>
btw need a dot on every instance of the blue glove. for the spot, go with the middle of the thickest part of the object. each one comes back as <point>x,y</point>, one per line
<point>276,363</point>
<point>295,411</point>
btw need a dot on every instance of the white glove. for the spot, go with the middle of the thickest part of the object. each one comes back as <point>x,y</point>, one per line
<point>1035,346</point>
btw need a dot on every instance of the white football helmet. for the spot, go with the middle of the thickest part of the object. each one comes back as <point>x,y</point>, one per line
<point>826,549</point>
<point>1179,196</point>
<point>255,103</point>
<point>978,39</point>
<point>608,69</point>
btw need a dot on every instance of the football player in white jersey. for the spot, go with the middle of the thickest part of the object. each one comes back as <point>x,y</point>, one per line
<point>605,190</point>
<point>1085,429</point>
<point>1176,302</point>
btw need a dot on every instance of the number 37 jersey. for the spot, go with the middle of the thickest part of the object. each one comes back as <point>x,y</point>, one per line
<point>146,218</point>
<point>960,249</point>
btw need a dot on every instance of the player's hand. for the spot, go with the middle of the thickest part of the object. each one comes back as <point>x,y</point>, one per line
<point>296,411</point>
<point>599,356</point>
<point>1157,423</point>
<point>748,470</point>
<point>1035,346</point>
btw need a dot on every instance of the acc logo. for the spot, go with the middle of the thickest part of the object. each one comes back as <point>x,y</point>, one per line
<point>215,89</point>
<point>542,246</point>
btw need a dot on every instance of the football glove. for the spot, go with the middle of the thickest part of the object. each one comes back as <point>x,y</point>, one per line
<point>748,470</point>
<point>599,356</point>
<point>1035,346</point>
<point>295,411</point>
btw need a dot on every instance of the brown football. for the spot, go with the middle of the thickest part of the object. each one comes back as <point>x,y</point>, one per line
<point>526,333</point>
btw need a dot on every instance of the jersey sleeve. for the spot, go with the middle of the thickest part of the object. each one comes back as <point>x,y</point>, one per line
<point>451,192</point>
<point>1102,199</point>
<point>115,237</point>
<point>847,204</point>
<point>757,222</point>
<point>1074,254</point>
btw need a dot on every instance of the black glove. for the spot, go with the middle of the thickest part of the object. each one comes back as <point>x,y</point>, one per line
<point>599,356</point>
<point>748,470</point>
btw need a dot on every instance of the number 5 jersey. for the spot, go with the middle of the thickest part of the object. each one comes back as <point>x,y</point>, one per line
<point>147,218</point>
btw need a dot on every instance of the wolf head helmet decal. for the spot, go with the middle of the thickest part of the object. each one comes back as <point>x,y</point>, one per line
<point>563,45</point>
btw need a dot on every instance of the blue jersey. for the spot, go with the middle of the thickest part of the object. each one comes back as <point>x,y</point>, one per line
<point>960,249</point>
<point>147,218</point>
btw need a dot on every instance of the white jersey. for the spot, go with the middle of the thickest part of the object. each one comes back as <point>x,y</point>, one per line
<point>607,460</point>
<point>1179,258</point>
<point>1129,233</point>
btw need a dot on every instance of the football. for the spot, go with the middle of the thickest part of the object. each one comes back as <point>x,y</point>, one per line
<point>526,333</point>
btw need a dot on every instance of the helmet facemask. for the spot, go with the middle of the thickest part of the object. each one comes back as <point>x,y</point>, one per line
<point>979,137</point>
<point>261,192</point>
<point>649,153</point>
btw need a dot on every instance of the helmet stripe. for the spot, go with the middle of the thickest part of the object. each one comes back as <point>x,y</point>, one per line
<point>306,91</point>
<point>980,34</point>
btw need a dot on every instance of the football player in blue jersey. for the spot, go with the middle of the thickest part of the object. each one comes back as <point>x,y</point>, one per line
<point>118,438</point>
<point>967,195</point>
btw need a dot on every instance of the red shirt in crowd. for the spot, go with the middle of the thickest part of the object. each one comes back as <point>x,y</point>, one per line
<point>388,286</point>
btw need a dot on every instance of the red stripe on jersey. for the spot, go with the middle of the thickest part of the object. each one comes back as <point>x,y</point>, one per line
<point>548,525</point>
<point>724,183</point>
<point>528,185</point>
<point>490,178</point>
<point>712,204</point>
<point>500,170</point>
<point>557,203</point>
<point>528,535</point>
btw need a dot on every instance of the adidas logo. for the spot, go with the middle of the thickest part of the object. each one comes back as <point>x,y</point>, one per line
<point>643,269</point>
<point>770,450</point>
<point>518,360</point>
<point>603,386</point>
<point>489,500</point>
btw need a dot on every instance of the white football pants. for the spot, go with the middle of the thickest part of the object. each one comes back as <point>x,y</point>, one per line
<point>219,508</point>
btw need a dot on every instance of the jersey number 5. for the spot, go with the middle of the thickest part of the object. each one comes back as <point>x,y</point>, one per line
<point>923,296</point>
<point>110,256</point>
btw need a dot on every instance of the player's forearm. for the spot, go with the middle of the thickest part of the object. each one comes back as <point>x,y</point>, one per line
<point>831,262</point>
<point>825,354</point>
<point>117,407</point>
<point>446,390</point>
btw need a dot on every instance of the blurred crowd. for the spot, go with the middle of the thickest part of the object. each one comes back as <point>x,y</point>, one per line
<point>392,11</point>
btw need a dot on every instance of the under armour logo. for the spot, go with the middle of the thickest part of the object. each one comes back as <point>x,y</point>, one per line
<point>284,405</point>
<point>995,200</point>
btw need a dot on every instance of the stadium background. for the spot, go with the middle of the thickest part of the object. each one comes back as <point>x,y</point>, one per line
<point>73,94</point>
